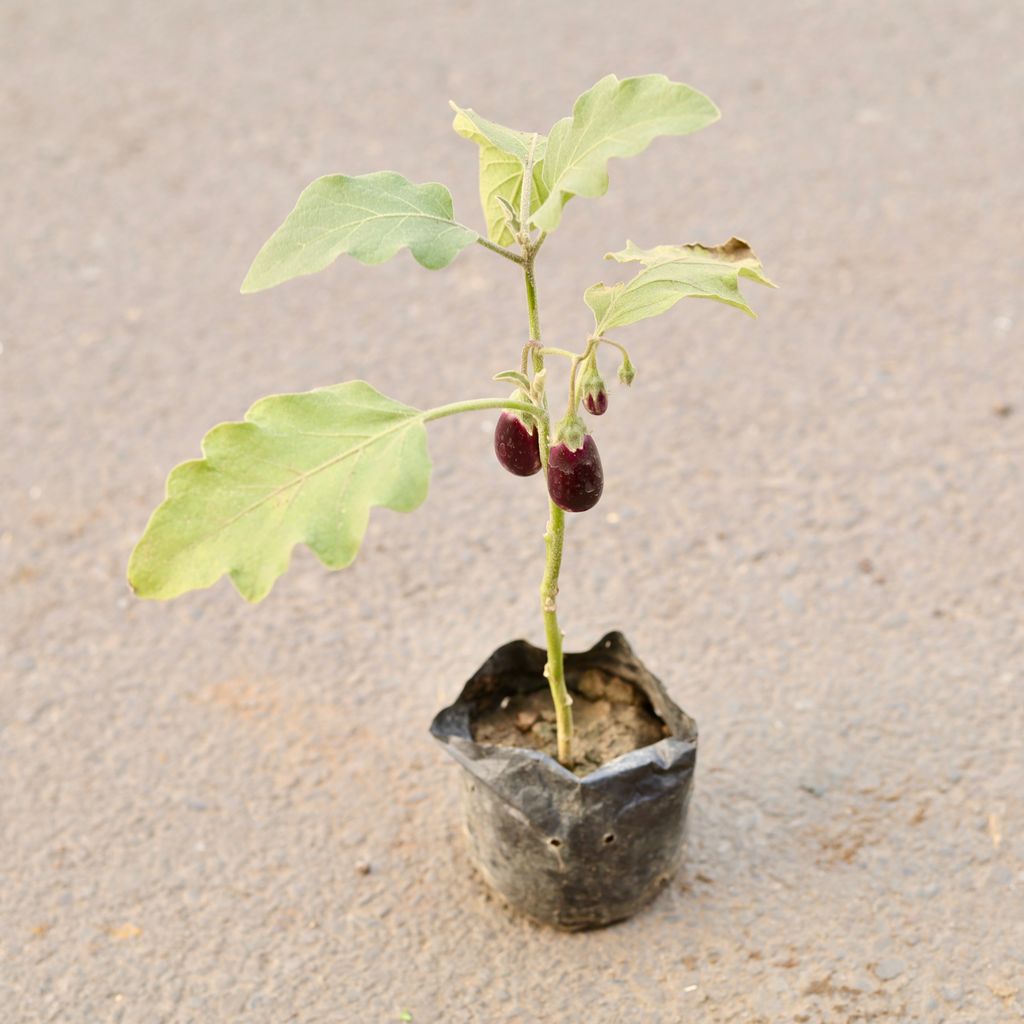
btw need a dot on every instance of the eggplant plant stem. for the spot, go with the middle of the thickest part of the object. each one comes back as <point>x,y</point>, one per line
<point>554,538</point>
<point>531,303</point>
<point>554,670</point>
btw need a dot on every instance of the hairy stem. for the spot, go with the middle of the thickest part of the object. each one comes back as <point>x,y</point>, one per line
<point>554,670</point>
<point>531,303</point>
<point>554,539</point>
<point>577,361</point>
<point>548,350</point>
<point>500,250</point>
<point>571,408</point>
<point>526,192</point>
<point>472,404</point>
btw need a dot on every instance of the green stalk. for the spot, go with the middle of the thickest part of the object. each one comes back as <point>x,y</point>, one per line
<point>531,302</point>
<point>507,253</point>
<point>554,670</point>
<point>554,538</point>
<point>472,404</point>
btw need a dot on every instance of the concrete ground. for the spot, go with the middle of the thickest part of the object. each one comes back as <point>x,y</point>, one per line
<point>811,527</point>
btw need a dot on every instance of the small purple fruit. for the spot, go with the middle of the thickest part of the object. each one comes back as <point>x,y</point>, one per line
<point>596,402</point>
<point>517,448</point>
<point>575,478</point>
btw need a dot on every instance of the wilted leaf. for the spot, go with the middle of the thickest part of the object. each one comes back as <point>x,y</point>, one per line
<point>369,217</point>
<point>301,469</point>
<point>614,119</point>
<point>674,272</point>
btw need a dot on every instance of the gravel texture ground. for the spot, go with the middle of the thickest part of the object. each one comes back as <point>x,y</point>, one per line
<point>811,527</point>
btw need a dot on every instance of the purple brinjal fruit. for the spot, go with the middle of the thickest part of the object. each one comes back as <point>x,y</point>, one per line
<point>596,401</point>
<point>575,478</point>
<point>517,447</point>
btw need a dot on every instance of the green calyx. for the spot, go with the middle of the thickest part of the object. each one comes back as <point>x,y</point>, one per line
<point>591,383</point>
<point>570,431</point>
<point>522,395</point>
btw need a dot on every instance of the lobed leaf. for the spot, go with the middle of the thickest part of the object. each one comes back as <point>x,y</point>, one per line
<point>370,217</point>
<point>613,119</point>
<point>504,153</point>
<point>301,469</point>
<point>671,273</point>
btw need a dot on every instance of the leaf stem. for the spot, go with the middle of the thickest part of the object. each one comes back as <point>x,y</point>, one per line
<point>473,404</point>
<point>501,250</point>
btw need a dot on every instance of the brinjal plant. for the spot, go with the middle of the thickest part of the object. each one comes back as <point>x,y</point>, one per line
<point>307,468</point>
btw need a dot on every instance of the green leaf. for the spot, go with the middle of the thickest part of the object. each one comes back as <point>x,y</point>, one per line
<point>470,125</point>
<point>369,217</point>
<point>514,377</point>
<point>504,153</point>
<point>501,176</point>
<point>674,272</point>
<point>614,119</point>
<point>301,469</point>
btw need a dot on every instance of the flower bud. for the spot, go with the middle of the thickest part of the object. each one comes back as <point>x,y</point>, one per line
<point>627,372</point>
